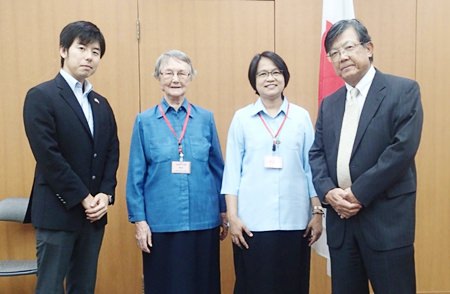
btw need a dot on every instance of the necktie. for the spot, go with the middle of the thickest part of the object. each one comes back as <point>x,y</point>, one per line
<point>347,139</point>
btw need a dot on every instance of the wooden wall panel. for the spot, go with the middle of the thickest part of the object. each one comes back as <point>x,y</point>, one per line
<point>297,32</point>
<point>221,37</point>
<point>392,26</point>
<point>29,34</point>
<point>433,218</point>
<point>16,54</point>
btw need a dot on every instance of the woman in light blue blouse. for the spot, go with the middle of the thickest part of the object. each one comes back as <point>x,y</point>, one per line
<point>173,187</point>
<point>273,210</point>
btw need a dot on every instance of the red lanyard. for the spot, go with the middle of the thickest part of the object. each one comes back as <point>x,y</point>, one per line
<point>275,137</point>
<point>183,131</point>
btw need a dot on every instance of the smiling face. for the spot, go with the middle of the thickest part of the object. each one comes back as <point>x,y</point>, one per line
<point>81,60</point>
<point>351,66</point>
<point>174,77</point>
<point>270,85</point>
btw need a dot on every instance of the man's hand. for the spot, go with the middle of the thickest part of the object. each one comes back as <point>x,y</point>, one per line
<point>95,207</point>
<point>343,202</point>
<point>350,197</point>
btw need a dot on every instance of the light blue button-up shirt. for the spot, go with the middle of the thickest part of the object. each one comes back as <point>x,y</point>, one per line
<point>270,199</point>
<point>81,96</point>
<point>175,202</point>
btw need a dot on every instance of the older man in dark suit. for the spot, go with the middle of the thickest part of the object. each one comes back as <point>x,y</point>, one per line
<point>73,136</point>
<point>367,135</point>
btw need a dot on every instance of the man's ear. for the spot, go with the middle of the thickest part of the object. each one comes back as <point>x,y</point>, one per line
<point>63,52</point>
<point>369,47</point>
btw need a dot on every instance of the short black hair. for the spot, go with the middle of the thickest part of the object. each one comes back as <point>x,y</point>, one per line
<point>339,27</point>
<point>85,31</point>
<point>276,59</point>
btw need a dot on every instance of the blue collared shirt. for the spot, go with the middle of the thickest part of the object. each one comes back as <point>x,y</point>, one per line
<point>175,202</point>
<point>270,199</point>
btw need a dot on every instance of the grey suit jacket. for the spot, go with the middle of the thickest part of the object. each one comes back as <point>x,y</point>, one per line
<point>70,162</point>
<point>382,164</point>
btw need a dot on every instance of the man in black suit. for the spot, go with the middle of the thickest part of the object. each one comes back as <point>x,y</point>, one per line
<point>362,159</point>
<point>73,136</point>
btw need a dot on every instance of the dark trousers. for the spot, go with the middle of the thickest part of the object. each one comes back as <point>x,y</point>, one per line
<point>355,263</point>
<point>72,256</point>
<point>277,262</point>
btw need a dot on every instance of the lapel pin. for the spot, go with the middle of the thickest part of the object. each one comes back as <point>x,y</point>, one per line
<point>96,101</point>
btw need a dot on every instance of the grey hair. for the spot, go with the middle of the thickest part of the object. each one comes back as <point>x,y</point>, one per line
<point>339,27</point>
<point>177,54</point>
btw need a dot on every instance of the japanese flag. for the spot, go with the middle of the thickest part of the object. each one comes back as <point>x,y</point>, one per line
<point>329,82</point>
<point>332,11</point>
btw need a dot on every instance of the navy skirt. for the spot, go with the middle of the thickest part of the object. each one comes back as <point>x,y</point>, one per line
<point>183,262</point>
<point>276,262</point>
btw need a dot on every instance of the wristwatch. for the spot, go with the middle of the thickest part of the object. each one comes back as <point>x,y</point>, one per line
<point>318,210</point>
<point>110,200</point>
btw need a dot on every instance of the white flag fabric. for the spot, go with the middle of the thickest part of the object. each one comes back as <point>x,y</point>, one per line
<point>332,11</point>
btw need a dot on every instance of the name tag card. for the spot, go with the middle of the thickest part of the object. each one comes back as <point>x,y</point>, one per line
<point>181,167</point>
<point>273,162</point>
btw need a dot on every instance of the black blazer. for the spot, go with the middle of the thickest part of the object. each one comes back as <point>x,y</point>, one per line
<point>382,164</point>
<point>70,162</point>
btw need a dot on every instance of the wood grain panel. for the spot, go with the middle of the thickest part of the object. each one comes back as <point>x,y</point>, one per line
<point>433,218</point>
<point>392,26</point>
<point>297,32</point>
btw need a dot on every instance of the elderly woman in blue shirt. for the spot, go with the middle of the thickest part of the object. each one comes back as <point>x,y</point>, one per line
<point>272,206</point>
<point>173,187</point>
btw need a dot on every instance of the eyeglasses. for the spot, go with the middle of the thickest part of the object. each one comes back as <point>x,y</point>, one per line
<point>276,74</point>
<point>347,49</point>
<point>168,75</point>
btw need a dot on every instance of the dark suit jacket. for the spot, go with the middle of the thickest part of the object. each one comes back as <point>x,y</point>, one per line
<point>70,162</point>
<point>382,164</point>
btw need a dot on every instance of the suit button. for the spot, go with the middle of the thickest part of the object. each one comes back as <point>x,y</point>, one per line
<point>93,177</point>
<point>95,155</point>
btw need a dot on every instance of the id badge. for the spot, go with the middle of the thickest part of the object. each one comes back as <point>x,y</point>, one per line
<point>181,167</point>
<point>273,162</point>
